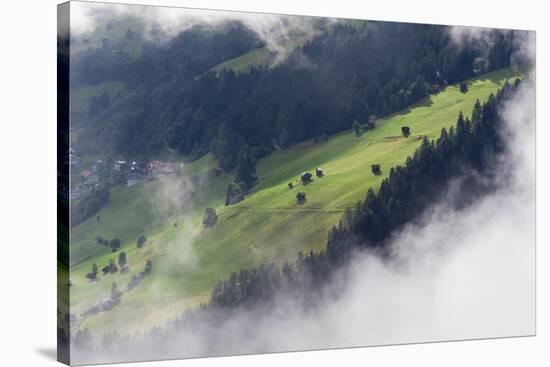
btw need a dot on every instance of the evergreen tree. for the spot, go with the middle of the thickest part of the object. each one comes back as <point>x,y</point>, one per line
<point>356,127</point>
<point>122,259</point>
<point>141,241</point>
<point>93,274</point>
<point>246,169</point>
<point>418,89</point>
<point>115,244</point>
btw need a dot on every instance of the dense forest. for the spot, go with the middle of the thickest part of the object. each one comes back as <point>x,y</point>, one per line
<point>347,72</point>
<point>466,154</point>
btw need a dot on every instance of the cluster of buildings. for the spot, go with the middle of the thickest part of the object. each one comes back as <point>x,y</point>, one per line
<point>83,181</point>
<point>136,171</point>
<point>130,172</point>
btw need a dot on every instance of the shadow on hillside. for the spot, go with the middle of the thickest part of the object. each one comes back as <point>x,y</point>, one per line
<point>424,102</point>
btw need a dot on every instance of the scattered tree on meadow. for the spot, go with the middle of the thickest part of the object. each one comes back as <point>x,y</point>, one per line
<point>375,168</point>
<point>301,197</point>
<point>210,217</point>
<point>115,244</point>
<point>141,241</point>
<point>406,131</point>
<point>111,268</point>
<point>122,259</point>
<point>148,267</point>
<point>463,87</point>
<point>93,274</point>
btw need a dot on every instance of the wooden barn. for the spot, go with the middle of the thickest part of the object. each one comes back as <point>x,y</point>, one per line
<point>319,172</point>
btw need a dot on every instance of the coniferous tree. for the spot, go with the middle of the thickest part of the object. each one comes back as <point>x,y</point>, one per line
<point>141,241</point>
<point>122,259</point>
<point>356,126</point>
<point>246,169</point>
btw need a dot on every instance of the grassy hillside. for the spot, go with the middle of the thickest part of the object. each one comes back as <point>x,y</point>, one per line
<point>81,96</point>
<point>262,57</point>
<point>268,226</point>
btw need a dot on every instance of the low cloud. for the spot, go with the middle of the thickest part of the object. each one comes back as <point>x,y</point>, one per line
<point>171,204</point>
<point>164,23</point>
<point>462,35</point>
<point>484,38</point>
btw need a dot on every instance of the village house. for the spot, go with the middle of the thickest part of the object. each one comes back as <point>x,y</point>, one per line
<point>89,177</point>
<point>120,166</point>
<point>136,174</point>
<point>85,174</point>
<point>74,193</point>
<point>72,160</point>
<point>434,89</point>
<point>99,164</point>
<point>158,168</point>
<point>319,172</point>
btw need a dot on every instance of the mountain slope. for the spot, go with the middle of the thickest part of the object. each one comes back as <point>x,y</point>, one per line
<point>268,226</point>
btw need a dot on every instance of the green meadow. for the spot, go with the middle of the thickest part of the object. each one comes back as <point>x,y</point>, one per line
<point>268,226</point>
<point>261,57</point>
<point>81,96</point>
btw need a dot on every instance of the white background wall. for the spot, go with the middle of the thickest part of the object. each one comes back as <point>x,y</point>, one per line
<point>28,166</point>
